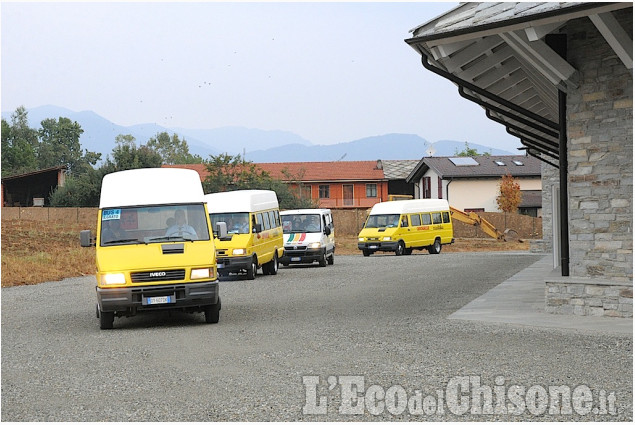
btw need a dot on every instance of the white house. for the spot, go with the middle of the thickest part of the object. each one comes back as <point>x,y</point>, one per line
<point>472,183</point>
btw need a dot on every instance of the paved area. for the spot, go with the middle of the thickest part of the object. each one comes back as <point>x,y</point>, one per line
<point>521,300</point>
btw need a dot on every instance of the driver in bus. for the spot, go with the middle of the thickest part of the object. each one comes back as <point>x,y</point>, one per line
<point>180,227</point>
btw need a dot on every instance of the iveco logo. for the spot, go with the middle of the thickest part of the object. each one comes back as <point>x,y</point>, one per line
<point>157,274</point>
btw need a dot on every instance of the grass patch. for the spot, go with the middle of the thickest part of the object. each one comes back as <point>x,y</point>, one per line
<point>35,252</point>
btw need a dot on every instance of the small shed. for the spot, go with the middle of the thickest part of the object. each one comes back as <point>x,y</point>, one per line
<point>33,188</point>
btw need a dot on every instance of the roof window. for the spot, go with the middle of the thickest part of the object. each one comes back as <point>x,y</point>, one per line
<point>519,163</point>
<point>463,161</point>
<point>499,163</point>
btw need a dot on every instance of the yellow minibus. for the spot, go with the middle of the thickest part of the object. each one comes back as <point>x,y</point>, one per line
<point>403,226</point>
<point>254,231</point>
<point>153,248</point>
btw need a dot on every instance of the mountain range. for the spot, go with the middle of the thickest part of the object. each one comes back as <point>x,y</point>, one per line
<point>256,145</point>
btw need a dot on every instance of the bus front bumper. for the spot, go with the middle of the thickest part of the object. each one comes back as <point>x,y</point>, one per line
<point>378,246</point>
<point>233,264</point>
<point>302,256</point>
<point>187,296</point>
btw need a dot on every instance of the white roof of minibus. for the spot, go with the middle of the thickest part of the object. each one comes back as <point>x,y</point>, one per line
<point>150,186</point>
<point>307,211</point>
<point>241,201</point>
<point>410,206</point>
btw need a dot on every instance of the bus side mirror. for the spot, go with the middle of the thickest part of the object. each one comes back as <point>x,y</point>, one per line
<point>85,239</point>
<point>221,230</point>
<point>257,228</point>
<point>327,231</point>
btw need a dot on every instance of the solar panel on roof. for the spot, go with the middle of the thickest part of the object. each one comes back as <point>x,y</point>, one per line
<point>463,161</point>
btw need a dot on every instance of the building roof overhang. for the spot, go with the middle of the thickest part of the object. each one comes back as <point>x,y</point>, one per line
<point>44,171</point>
<point>507,57</point>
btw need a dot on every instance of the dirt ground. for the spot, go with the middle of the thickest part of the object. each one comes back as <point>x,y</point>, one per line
<point>34,252</point>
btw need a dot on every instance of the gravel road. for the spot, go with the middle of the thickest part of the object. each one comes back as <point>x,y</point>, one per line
<point>381,320</point>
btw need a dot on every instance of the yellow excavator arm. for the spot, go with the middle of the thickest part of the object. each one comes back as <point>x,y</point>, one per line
<point>475,220</point>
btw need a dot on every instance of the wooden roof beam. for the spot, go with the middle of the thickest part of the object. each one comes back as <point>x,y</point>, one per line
<point>615,35</point>
<point>543,59</point>
<point>539,32</point>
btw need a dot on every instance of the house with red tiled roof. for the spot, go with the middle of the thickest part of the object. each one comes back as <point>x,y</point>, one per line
<point>339,184</point>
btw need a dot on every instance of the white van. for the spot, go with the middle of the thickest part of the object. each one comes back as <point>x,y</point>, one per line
<point>309,235</point>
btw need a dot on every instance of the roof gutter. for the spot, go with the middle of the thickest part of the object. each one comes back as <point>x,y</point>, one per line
<point>523,116</point>
<point>476,89</point>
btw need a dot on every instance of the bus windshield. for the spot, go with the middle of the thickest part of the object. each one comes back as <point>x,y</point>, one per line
<point>382,220</point>
<point>132,225</point>
<point>301,223</point>
<point>236,222</point>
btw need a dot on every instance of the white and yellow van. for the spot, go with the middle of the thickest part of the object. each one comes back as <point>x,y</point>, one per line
<point>154,249</point>
<point>402,226</point>
<point>309,235</point>
<point>254,231</point>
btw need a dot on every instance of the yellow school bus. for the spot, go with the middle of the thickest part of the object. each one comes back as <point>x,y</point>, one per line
<point>153,248</point>
<point>254,231</point>
<point>403,226</point>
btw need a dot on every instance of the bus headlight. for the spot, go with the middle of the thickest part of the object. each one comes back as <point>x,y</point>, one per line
<point>113,279</point>
<point>201,273</point>
<point>386,238</point>
<point>360,239</point>
<point>314,245</point>
<point>239,251</point>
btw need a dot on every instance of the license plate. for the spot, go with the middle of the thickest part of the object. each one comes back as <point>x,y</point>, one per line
<point>372,246</point>
<point>220,265</point>
<point>295,258</point>
<point>168,299</point>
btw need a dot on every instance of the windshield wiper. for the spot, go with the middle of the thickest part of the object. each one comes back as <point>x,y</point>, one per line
<point>122,241</point>
<point>170,238</point>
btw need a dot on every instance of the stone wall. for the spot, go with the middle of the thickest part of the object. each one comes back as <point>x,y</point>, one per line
<point>87,216</point>
<point>589,298</point>
<point>600,133</point>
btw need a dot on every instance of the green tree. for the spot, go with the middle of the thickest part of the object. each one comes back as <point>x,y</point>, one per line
<point>295,182</point>
<point>172,149</point>
<point>79,190</point>
<point>59,145</point>
<point>126,156</point>
<point>468,151</point>
<point>19,144</point>
<point>83,190</point>
<point>227,172</point>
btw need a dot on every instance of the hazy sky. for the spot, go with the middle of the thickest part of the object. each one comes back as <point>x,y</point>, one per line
<point>330,72</point>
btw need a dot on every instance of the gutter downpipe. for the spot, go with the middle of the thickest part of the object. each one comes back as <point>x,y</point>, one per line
<point>564,195</point>
<point>558,42</point>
